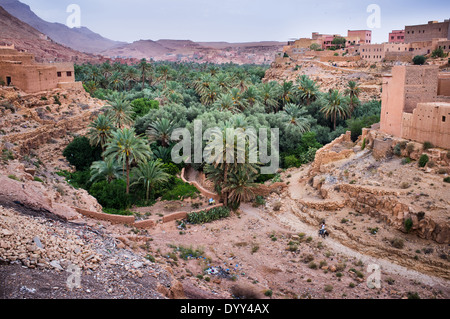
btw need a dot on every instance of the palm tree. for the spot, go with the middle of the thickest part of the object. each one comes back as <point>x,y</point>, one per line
<point>220,163</point>
<point>160,131</point>
<point>238,99</point>
<point>120,110</point>
<point>335,107</point>
<point>307,89</point>
<point>225,103</point>
<point>127,148</point>
<point>100,130</point>
<point>297,116</point>
<point>149,174</point>
<point>210,94</point>
<point>202,84</point>
<point>106,170</point>
<point>223,81</point>
<point>144,69</point>
<point>251,95</point>
<point>267,95</point>
<point>287,94</point>
<point>352,91</point>
<point>162,153</point>
<point>240,186</point>
<point>116,81</point>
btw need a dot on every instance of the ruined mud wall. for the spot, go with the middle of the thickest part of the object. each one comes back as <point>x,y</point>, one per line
<point>384,204</point>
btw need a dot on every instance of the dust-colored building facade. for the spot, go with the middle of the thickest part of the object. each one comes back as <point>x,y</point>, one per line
<point>396,36</point>
<point>427,32</point>
<point>19,69</point>
<point>416,104</point>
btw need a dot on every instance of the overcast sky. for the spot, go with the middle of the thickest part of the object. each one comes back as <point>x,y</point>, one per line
<point>239,20</point>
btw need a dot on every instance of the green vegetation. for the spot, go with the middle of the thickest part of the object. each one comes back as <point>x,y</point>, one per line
<point>408,224</point>
<point>438,53</point>
<point>208,216</point>
<point>423,160</point>
<point>129,142</point>
<point>419,60</point>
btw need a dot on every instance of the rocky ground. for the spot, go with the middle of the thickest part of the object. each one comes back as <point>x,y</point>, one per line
<point>267,251</point>
<point>330,77</point>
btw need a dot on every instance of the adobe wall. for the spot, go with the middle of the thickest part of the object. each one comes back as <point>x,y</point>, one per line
<point>29,78</point>
<point>392,101</point>
<point>115,219</point>
<point>425,32</point>
<point>24,58</point>
<point>445,45</point>
<point>429,122</point>
<point>420,85</point>
<point>340,58</point>
<point>400,56</point>
<point>32,77</point>
<point>444,84</point>
<point>403,90</point>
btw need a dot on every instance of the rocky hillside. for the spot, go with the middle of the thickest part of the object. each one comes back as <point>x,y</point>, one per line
<point>189,51</point>
<point>327,75</point>
<point>79,39</point>
<point>26,38</point>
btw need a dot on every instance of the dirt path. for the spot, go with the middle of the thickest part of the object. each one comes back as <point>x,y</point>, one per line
<point>290,220</point>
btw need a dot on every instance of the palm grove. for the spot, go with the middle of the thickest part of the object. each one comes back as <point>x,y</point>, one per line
<point>125,157</point>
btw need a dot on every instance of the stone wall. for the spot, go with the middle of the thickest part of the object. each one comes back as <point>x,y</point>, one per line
<point>384,204</point>
<point>327,155</point>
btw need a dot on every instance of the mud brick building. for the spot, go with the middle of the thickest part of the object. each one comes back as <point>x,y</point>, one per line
<point>427,32</point>
<point>416,104</point>
<point>20,69</point>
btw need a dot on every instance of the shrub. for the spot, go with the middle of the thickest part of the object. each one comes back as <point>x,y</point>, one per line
<point>111,195</point>
<point>397,243</point>
<point>143,106</point>
<point>190,252</point>
<point>291,161</point>
<point>179,191</point>
<point>312,265</point>
<point>406,160</point>
<point>7,155</point>
<point>447,179</point>
<point>363,146</point>
<point>259,200</point>
<point>419,60</point>
<point>277,206</point>
<point>37,179</point>
<point>427,146</point>
<point>328,288</point>
<point>397,150</point>
<point>410,148</point>
<point>413,295</point>
<point>268,293</point>
<point>78,179</point>
<point>81,154</point>
<point>424,159</point>
<point>438,53</point>
<point>243,291</point>
<point>14,177</point>
<point>208,216</point>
